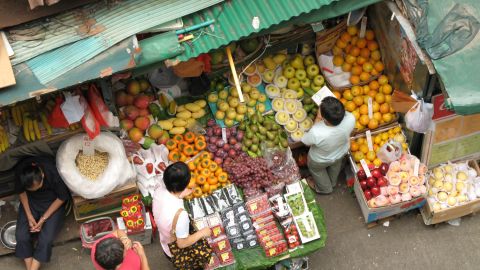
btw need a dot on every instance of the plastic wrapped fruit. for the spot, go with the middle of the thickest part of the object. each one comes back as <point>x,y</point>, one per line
<point>299,115</point>
<point>297,135</point>
<point>290,94</point>
<point>290,106</point>
<point>291,125</point>
<point>282,118</point>
<point>272,91</point>
<point>306,124</point>
<point>277,104</point>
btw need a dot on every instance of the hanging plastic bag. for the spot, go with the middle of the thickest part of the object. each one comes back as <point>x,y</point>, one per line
<point>100,110</point>
<point>419,117</point>
<point>89,122</point>
<point>390,151</point>
<point>72,109</point>
<point>56,118</point>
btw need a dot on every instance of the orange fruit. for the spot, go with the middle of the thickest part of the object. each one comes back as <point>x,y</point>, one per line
<point>348,48</point>
<point>361,43</point>
<point>212,180</point>
<point>354,146</point>
<point>356,70</point>
<point>388,117</point>
<point>365,52</point>
<point>366,88</point>
<point>363,120</point>
<point>374,85</point>
<point>387,89</point>
<point>372,45</point>
<point>350,106</point>
<point>354,79</point>
<point>363,148</point>
<point>382,80</point>
<point>201,179</point>
<point>379,66</point>
<point>374,73</point>
<point>380,98</point>
<point>384,108</point>
<point>375,55</point>
<point>365,99</point>
<point>373,124</point>
<point>371,155</point>
<point>350,59</point>
<point>355,51</point>
<point>191,166</point>
<point>377,116</point>
<point>206,188</point>
<point>337,60</point>
<point>359,126</point>
<point>363,109</point>
<point>337,94</point>
<point>361,60</point>
<point>375,107</point>
<point>372,93</point>
<point>337,51</point>
<point>377,162</point>
<point>358,100</point>
<point>352,30</point>
<point>364,76</point>
<point>344,101</point>
<point>354,40</point>
<point>369,35</point>
<point>391,109</point>
<point>367,67</point>
<point>356,114</point>
<point>356,90</point>
<point>346,37</point>
<point>341,44</point>
<point>346,67</point>
<point>347,94</point>
<point>388,98</point>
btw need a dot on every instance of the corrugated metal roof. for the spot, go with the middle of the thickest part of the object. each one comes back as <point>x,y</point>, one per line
<point>120,21</point>
<point>233,19</point>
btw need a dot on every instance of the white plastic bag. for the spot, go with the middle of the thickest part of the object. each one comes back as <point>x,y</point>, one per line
<point>117,172</point>
<point>419,117</point>
<point>390,151</point>
<point>72,108</point>
<point>153,161</point>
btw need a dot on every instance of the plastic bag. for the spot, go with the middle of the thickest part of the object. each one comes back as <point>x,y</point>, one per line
<point>282,164</point>
<point>89,122</point>
<point>100,110</point>
<point>390,151</point>
<point>72,109</point>
<point>56,118</point>
<point>117,172</point>
<point>419,117</point>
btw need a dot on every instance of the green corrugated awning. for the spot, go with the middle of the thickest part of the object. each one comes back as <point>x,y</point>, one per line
<point>234,19</point>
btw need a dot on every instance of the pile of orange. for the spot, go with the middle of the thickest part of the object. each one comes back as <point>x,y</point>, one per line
<point>355,100</point>
<point>207,175</point>
<point>359,56</point>
<point>184,147</point>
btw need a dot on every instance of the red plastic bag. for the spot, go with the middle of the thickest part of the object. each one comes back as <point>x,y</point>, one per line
<point>99,108</point>
<point>56,118</point>
<point>89,122</point>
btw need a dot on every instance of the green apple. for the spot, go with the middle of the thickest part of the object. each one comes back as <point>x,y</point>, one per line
<point>297,62</point>
<point>286,64</point>
<point>212,98</point>
<point>300,74</point>
<point>220,115</point>
<point>254,94</point>
<point>233,92</point>
<point>289,72</point>
<point>319,80</point>
<point>242,109</point>
<point>246,88</point>
<point>234,102</point>
<point>250,111</point>
<point>223,94</point>
<point>261,107</point>
<point>222,106</point>
<point>300,93</point>
<point>252,103</point>
<point>231,113</point>
<point>312,71</point>
<point>309,60</point>
<point>240,117</point>
<point>229,122</point>
<point>305,83</point>
<point>315,87</point>
<point>268,76</point>
<point>293,84</point>
<point>280,81</point>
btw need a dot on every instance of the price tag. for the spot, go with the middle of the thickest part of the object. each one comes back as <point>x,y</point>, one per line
<point>369,140</point>
<point>416,166</point>
<point>365,168</point>
<point>253,206</point>
<point>308,226</point>
<point>370,108</point>
<point>216,231</point>
<point>224,135</point>
<point>272,251</point>
<point>225,256</point>
<point>281,204</point>
<point>88,147</point>
<point>221,245</point>
<point>363,27</point>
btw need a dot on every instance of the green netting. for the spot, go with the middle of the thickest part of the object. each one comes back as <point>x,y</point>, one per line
<point>255,258</point>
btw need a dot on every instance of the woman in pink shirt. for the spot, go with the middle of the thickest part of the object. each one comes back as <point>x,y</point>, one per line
<point>116,251</point>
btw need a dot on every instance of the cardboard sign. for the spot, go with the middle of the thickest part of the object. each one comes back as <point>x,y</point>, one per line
<point>369,140</point>
<point>88,146</point>
<point>321,94</point>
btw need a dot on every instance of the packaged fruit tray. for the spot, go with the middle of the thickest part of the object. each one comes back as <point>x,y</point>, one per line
<point>261,89</point>
<point>356,145</point>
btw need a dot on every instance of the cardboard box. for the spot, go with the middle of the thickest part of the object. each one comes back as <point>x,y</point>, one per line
<point>430,217</point>
<point>107,205</point>
<point>144,237</point>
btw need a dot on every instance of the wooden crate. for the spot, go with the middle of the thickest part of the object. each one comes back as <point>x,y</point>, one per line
<point>430,217</point>
<point>85,209</point>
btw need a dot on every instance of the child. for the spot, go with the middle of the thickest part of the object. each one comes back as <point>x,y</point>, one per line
<point>167,201</point>
<point>116,251</point>
<point>329,139</point>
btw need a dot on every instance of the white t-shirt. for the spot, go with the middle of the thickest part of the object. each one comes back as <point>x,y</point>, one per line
<point>165,206</point>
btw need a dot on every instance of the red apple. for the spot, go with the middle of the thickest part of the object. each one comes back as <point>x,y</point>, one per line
<point>382,182</point>
<point>371,182</point>
<point>363,184</point>
<point>361,175</point>
<point>384,168</point>
<point>377,173</point>
<point>368,194</point>
<point>375,191</point>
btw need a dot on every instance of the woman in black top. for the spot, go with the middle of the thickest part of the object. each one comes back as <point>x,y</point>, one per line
<point>42,194</point>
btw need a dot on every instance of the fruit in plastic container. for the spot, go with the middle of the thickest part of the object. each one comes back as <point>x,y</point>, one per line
<point>306,124</point>
<point>297,135</point>
<point>299,115</point>
<point>291,125</point>
<point>290,106</point>
<point>282,117</point>
<point>277,104</point>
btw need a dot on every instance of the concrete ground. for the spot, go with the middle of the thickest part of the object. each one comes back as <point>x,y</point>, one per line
<point>405,244</point>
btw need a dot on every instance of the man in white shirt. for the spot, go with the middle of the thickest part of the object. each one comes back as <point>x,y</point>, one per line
<point>329,141</point>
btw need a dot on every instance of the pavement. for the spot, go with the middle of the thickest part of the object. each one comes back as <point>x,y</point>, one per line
<point>406,243</point>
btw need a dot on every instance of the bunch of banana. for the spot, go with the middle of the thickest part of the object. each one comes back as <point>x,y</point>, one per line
<point>17,112</point>
<point>4,144</point>
<point>46,125</point>
<point>31,131</point>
